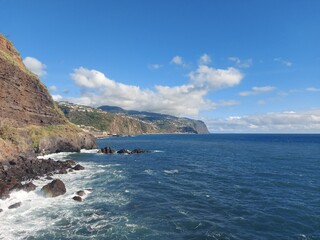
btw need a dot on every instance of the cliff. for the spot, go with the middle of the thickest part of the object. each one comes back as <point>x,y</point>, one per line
<point>30,121</point>
<point>115,120</point>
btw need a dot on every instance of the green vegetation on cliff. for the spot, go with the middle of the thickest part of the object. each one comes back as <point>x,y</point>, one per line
<point>115,120</point>
<point>30,121</point>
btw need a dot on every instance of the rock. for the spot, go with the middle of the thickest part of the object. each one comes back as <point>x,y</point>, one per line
<point>123,151</point>
<point>28,187</point>
<point>107,150</point>
<point>71,162</point>
<point>16,205</point>
<point>4,190</point>
<point>63,171</point>
<point>1,210</point>
<point>81,193</point>
<point>138,150</point>
<point>11,162</point>
<point>77,198</point>
<point>54,189</point>
<point>78,167</point>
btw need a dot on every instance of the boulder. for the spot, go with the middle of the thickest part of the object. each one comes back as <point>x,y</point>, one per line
<point>54,189</point>
<point>138,150</point>
<point>1,210</point>
<point>77,198</point>
<point>4,190</point>
<point>78,167</point>
<point>81,193</point>
<point>107,150</point>
<point>16,205</point>
<point>11,162</point>
<point>123,151</point>
<point>28,187</point>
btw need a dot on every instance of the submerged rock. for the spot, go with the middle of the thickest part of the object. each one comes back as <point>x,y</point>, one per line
<point>78,167</point>
<point>124,151</point>
<point>77,198</point>
<point>81,193</point>
<point>138,150</point>
<point>16,205</point>
<point>54,189</point>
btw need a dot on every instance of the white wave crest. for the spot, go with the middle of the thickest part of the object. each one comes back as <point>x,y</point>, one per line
<point>171,171</point>
<point>89,150</point>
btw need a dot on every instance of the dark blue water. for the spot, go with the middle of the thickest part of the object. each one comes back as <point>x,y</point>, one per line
<point>212,187</point>
<point>193,187</point>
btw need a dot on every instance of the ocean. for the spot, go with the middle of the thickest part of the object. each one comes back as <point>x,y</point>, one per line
<point>215,186</point>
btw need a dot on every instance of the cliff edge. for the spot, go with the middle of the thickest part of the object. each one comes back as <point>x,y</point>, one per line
<point>30,121</point>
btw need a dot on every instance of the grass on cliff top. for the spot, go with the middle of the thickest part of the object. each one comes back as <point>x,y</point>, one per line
<point>22,136</point>
<point>37,133</point>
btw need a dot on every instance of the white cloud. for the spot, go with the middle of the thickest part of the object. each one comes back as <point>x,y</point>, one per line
<point>213,78</point>
<point>312,89</point>
<point>53,88</point>
<point>187,99</point>
<point>177,60</point>
<point>57,97</point>
<point>35,66</point>
<point>279,122</point>
<point>154,66</point>
<point>241,63</point>
<point>228,103</point>
<point>283,62</point>
<point>204,59</point>
<point>180,100</point>
<point>257,90</point>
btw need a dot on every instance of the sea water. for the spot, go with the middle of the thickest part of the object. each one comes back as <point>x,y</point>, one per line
<point>231,186</point>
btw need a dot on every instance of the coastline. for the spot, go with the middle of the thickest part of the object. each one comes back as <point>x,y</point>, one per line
<point>19,174</point>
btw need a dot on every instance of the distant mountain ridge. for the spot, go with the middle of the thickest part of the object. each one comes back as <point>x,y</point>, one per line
<point>163,121</point>
<point>113,120</point>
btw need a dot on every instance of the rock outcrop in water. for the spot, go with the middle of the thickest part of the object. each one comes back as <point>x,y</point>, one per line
<point>54,189</point>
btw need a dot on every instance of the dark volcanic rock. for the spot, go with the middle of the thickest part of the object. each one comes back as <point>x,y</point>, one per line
<point>81,193</point>
<point>107,150</point>
<point>16,205</point>
<point>138,150</point>
<point>4,190</point>
<point>77,198</point>
<point>54,189</point>
<point>123,151</point>
<point>1,210</point>
<point>78,167</point>
<point>11,162</point>
<point>28,187</point>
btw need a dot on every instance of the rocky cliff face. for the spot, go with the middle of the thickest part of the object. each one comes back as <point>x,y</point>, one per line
<point>29,119</point>
<point>24,99</point>
<point>122,122</point>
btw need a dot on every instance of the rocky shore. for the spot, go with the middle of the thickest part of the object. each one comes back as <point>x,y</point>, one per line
<point>18,174</point>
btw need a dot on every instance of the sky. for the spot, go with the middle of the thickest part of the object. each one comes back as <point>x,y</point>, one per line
<point>240,66</point>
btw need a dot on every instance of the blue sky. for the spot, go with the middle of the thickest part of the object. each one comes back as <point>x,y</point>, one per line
<point>241,66</point>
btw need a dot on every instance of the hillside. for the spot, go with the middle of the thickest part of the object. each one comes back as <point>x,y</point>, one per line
<point>30,121</point>
<point>164,123</point>
<point>115,120</point>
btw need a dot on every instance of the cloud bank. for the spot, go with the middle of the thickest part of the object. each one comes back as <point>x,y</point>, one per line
<point>35,66</point>
<point>279,122</point>
<point>257,90</point>
<point>184,100</point>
